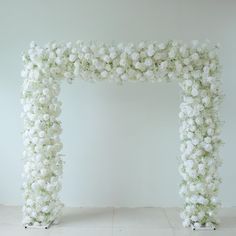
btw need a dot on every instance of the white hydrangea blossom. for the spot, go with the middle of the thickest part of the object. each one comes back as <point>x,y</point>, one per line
<point>195,67</point>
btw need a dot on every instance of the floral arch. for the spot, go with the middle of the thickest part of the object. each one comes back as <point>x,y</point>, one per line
<point>195,67</point>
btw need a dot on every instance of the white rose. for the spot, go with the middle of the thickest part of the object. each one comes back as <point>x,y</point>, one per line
<point>148,74</point>
<point>194,218</point>
<point>135,56</point>
<point>208,147</point>
<point>186,223</point>
<point>162,46</point>
<point>206,100</point>
<point>45,209</point>
<point>104,74</point>
<point>164,65</point>
<point>72,57</point>
<point>141,45</point>
<point>123,62</point>
<point>194,92</point>
<point>119,70</point>
<point>124,77</point>
<point>106,58</point>
<point>43,172</point>
<point>46,117</point>
<point>210,131</point>
<point>197,225</point>
<point>29,202</point>
<point>214,200</point>
<point>207,140</point>
<point>195,57</point>
<point>148,62</point>
<point>113,55</point>
<point>195,141</point>
<point>172,54</point>
<point>150,52</point>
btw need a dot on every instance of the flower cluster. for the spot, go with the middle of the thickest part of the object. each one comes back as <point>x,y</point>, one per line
<point>195,67</point>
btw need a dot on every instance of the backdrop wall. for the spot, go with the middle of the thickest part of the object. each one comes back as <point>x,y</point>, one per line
<point>121,142</point>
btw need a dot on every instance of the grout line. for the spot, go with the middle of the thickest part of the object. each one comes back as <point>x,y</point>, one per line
<point>112,224</point>
<point>171,226</point>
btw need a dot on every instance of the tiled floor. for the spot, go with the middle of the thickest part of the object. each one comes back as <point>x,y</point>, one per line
<point>115,222</point>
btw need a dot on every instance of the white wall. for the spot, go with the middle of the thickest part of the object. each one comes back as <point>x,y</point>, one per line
<point>121,143</point>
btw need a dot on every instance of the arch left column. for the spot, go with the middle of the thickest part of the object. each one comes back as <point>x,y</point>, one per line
<point>43,164</point>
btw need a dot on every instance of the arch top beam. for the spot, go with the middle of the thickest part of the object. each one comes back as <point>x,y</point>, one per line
<point>194,66</point>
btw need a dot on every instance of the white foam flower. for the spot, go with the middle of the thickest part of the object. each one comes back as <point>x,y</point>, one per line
<point>207,140</point>
<point>162,46</point>
<point>148,62</point>
<point>139,65</point>
<point>135,56</point>
<point>119,70</point>
<point>46,117</point>
<point>172,54</point>
<point>123,62</point>
<point>214,200</point>
<point>106,58</point>
<point>124,77</point>
<point>72,57</point>
<point>113,55</point>
<point>148,74</point>
<point>206,100</point>
<point>194,92</point>
<point>208,147</point>
<point>150,51</point>
<point>141,45</point>
<point>41,134</point>
<point>195,141</point>
<point>210,131</point>
<point>194,218</point>
<point>104,74</point>
<point>195,57</point>
<point>164,65</point>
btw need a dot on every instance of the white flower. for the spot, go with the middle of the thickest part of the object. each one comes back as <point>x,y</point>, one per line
<point>113,55</point>
<point>195,57</point>
<point>207,140</point>
<point>106,58</point>
<point>194,92</point>
<point>188,83</point>
<point>148,62</point>
<point>186,223</point>
<point>214,200</point>
<point>164,65</point>
<point>135,56</point>
<point>124,77</point>
<point>194,218</point>
<point>46,117</point>
<point>41,134</point>
<point>104,74</point>
<point>150,51</point>
<point>172,54</point>
<point>72,57</point>
<point>29,202</point>
<point>141,45</point>
<point>119,70</point>
<point>197,224</point>
<point>123,62</point>
<point>189,163</point>
<point>208,147</point>
<point>148,74</point>
<point>206,100</point>
<point>162,46</point>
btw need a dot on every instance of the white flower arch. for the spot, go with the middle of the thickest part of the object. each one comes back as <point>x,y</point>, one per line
<point>195,67</point>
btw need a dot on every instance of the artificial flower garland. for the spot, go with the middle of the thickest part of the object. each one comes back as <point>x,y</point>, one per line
<point>195,67</point>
